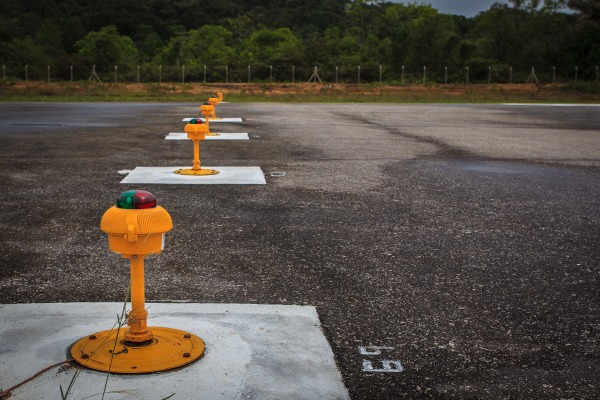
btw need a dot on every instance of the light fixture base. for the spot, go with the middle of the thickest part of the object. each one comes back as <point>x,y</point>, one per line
<point>202,171</point>
<point>170,348</point>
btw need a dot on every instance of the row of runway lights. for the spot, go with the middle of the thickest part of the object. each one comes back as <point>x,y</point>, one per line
<point>136,226</point>
<point>197,130</point>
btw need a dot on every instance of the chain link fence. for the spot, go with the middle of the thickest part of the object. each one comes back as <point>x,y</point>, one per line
<point>261,73</point>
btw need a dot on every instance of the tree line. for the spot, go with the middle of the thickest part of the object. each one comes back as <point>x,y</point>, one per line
<point>274,36</point>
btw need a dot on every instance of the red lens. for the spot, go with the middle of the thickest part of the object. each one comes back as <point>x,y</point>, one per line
<point>144,199</point>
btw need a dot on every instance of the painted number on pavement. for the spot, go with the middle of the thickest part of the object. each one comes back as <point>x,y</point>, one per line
<point>377,361</point>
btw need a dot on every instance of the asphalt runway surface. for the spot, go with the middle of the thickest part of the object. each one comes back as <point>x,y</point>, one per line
<point>452,251</point>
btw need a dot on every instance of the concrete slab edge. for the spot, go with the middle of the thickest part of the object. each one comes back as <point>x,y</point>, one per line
<point>204,308</point>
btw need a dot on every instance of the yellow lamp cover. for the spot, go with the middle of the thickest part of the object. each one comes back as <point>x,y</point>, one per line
<point>133,229</point>
<point>207,109</point>
<point>196,129</point>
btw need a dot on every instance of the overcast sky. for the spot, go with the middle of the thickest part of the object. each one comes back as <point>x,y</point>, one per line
<point>468,8</point>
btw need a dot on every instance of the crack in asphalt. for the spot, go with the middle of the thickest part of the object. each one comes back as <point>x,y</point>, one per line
<point>445,151</point>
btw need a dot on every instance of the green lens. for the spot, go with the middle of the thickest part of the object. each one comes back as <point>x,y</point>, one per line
<point>125,199</point>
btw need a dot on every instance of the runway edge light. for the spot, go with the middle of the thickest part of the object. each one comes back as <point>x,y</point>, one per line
<point>214,101</point>
<point>208,110</point>
<point>196,131</point>
<point>136,228</point>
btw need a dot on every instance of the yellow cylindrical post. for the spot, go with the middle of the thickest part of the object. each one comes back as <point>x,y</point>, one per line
<point>138,316</point>
<point>196,166</point>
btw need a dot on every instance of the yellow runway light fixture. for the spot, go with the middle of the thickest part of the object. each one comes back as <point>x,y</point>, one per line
<point>208,110</point>
<point>136,228</point>
<point>214,101</point>
<point>220,96</point>
<point>196,131</point>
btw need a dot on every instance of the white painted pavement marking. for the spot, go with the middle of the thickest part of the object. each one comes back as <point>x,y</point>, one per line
<point>216,121</point>
<point>386,366</point>
<point>379,365</point>
<point>222,136</point>
<point>373,350</point>
<point>226,176</point>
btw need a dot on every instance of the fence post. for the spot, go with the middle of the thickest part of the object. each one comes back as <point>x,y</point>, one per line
<point>248,73</point>
<point>445,74</point>
<point>48,74</point>
<point>271,74</point>
<point>160,74</point>
<point>183,75</point>
<point>510,74</point>
<point>402,76</point>
<point>26,73</point>
<point>424,73</point>
<point>467,74</point>
<point>115,74</point>
<point>138,74</point>
<point>576,73</point>
<point>204,74</point>
<point>489,74</point>
<point>293,72</point>
<point>553,74</point>
<point>4,72</point>
<point>71,74</point>
<point>336,74</point>
<point>227,74</point>
<point>359,74</point>
<point>379,73</point>
<point>94,75</point>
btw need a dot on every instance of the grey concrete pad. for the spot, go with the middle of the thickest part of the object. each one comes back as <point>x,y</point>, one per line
<point>222,136</point>
<point>216,121</point>
<point>226,176</point>
<point>252,351</point>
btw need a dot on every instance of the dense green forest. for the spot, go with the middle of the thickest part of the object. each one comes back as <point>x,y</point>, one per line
<point>260,39</point>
